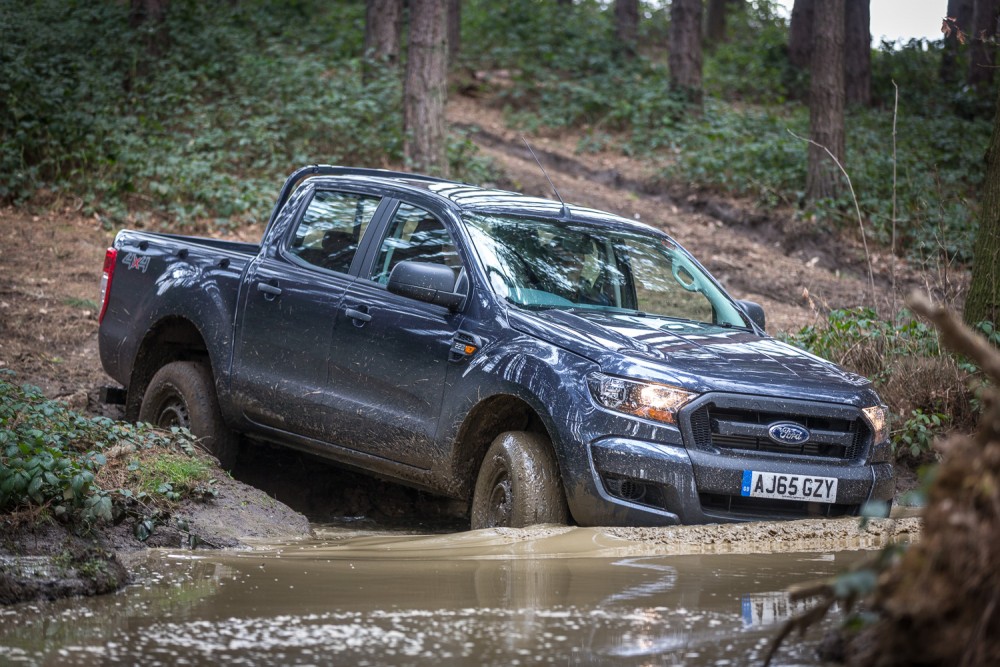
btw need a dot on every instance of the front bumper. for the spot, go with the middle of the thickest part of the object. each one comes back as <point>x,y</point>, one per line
<point>642,483</point>
<point>684,476</point>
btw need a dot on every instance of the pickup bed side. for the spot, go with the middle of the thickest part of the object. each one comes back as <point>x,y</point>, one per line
<point>174,299</point>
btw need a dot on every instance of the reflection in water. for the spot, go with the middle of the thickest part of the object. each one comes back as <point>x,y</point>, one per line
<point>487,597</point>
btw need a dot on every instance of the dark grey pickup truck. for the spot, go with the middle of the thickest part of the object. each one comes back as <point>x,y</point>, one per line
<point>544,362</point>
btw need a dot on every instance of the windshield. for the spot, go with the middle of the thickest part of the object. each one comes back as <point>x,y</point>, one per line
<point>549,264</point>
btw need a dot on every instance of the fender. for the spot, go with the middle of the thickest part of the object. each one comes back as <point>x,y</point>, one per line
<point>505,387</point>
<point>187,305</point>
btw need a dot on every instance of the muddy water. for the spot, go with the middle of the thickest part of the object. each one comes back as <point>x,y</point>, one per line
<point>558,596</point>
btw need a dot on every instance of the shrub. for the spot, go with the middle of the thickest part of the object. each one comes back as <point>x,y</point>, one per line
<point>919,431</point>
<point>752,65</point>
<point>62,69</point>
<point>87,470</point>
<point>242,94</point>
<point>928,391</point>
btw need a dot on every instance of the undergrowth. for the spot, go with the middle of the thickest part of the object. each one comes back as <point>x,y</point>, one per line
<point>85,471</point>
<point>929,391</point>
<point>751,152</point>
<point>241,95</point>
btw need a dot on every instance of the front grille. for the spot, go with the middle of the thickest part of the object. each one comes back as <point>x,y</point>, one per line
<point>766,507</point>
<point>728,428</point>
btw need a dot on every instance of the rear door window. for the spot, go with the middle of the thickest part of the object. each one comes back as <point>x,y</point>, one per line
<point>331,229</point>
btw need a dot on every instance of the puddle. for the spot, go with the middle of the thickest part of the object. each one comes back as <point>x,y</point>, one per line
<point>545,596</point>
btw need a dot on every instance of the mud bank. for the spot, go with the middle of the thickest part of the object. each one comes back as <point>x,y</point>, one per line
<point>777,537</point>
<point>43,559</point>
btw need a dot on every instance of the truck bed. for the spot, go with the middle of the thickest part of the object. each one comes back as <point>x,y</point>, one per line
<point>163,277</point>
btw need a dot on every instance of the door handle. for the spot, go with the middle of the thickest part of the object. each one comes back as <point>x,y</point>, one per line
<point>268,289</point>
<point>356,314</point>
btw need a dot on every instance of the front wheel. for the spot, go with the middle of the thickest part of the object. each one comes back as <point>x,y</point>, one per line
<point>518,484</point>
<point>182,393</point>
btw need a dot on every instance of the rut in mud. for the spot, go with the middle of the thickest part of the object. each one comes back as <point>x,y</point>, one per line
<point>543,595</point>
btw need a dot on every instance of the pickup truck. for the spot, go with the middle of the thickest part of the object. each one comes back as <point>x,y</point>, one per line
<point>544,362</point>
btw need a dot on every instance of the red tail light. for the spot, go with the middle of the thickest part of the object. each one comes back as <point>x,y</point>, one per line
<point>110,259</point>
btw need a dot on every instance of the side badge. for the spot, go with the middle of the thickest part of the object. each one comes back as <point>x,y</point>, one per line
<point>133,261</point>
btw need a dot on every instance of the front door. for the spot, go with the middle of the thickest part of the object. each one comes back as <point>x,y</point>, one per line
<point>390,353</point>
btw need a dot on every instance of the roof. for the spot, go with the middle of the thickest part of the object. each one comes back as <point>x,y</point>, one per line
<point>463,196</point>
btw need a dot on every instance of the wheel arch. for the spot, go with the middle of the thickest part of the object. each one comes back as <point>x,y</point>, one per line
<point>488,419</point>
<point>171,339</point>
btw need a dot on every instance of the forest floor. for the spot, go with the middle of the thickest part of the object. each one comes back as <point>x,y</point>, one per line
<point>51,258</point>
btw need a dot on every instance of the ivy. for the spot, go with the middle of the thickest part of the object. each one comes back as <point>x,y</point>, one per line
<point>53,459</point>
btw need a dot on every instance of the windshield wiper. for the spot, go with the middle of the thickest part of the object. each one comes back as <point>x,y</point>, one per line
<point>722,325</point>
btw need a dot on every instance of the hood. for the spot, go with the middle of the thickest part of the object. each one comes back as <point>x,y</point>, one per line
<point>696,356</point>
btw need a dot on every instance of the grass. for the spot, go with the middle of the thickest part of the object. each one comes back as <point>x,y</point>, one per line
<point>173,473</point>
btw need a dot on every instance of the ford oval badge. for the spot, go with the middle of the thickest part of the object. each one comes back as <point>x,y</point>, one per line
<point>788,433</point>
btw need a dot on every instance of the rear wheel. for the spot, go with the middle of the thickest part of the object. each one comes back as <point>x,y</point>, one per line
<point>182,393</point>
<point>518,484</point>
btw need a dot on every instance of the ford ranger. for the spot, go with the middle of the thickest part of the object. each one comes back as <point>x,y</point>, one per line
<point>544,362</point>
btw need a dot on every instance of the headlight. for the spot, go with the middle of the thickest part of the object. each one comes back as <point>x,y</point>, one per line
<point>877,417</point>
<point>639,399</point>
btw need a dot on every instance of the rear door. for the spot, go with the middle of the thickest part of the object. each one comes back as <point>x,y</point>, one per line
<point>390,356</point>
<point>281,366</point>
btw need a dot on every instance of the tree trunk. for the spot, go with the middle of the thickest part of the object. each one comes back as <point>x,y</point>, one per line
<point>826,101</point>
<point>685,48</point>
<point>383,25</point>
<point>425,88</point>
<point>800,33</point>
<point>715,20</point>
<point>151,15</point>
<point>148,18</point>
<point>627,27</point>
<point>982,51</point>
<point>961,13</point>
<point>857,52</point>
<point>454,29</point>
<point>983,301</point>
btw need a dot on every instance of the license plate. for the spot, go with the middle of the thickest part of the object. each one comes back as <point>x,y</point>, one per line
<point>789,487</point>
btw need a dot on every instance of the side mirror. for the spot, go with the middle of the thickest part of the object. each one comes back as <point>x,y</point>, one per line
<point>754,311</point>
<point>423,281</point>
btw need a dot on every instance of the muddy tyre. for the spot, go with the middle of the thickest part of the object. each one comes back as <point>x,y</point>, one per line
<point>518,484</point>
<point>182,393</point>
